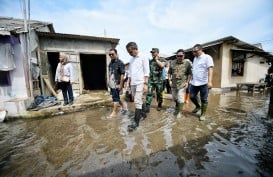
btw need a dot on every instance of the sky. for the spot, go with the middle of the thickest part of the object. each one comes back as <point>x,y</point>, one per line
<point>165,24</point>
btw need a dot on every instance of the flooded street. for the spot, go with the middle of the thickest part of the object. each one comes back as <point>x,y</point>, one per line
<point>236,139</point>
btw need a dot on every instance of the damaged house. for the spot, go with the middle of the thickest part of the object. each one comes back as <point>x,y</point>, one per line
<point>29,61</point>
<point>235,62</point>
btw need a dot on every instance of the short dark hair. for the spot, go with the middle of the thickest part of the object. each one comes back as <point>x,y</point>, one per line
<point>132,45</point>
<point>180,50</point>
<point>115,50</point>
<point>199,46</point>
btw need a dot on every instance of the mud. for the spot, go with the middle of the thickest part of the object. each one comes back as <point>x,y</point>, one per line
<point>235,140</point>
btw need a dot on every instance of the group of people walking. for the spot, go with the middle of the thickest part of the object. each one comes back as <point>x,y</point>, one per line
<point>147,76</point>
<point>180,77</point>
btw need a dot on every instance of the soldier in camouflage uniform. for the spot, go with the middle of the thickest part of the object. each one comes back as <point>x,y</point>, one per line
<point>179,76</point>
<point>155,80</point>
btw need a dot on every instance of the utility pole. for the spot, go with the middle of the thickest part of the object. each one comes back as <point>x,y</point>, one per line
<point>25,16</point>
<point>27,62</point>
<point>270,109</point>
<point>270,84</point>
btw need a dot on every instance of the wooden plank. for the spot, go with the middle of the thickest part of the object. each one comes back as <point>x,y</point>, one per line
<point>50,87</point>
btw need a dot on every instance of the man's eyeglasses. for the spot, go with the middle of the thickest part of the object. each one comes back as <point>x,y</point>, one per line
<point>179,56</point>
<point>195,51</point>
<point>130,51</point>
<point>111,54</point>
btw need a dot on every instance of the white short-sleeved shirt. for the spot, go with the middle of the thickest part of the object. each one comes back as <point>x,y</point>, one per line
<point>200,68</point>
<point>138,69</point>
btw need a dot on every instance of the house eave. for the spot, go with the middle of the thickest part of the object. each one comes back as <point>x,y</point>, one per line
<point>74,36</point>
<point>261,53</point>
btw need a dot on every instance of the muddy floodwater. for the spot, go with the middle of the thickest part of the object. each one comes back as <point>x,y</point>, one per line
<point>236,139</point>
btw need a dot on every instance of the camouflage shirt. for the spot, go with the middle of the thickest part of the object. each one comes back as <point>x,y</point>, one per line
<point>182,70</point>
<point>156,71</point>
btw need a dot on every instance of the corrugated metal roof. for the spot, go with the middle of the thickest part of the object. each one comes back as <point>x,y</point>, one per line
<point>230,40</point>
<point>74,36</point>
<point>246,47</point>
<point>10,24</point>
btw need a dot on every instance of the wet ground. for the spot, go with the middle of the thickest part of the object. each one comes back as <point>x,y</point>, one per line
<point>235,140</point>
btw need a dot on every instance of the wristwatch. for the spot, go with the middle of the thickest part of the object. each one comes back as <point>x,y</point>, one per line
<point>145,83</point>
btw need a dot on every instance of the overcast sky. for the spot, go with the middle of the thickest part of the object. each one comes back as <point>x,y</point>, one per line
<point>166,24</point>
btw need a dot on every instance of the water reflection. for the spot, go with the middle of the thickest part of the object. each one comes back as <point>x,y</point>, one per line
<point>235,140</point>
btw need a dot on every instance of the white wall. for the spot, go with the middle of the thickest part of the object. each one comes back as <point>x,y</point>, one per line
<point>226,66</point>
<point>18,82</point>
<point>254,70</point>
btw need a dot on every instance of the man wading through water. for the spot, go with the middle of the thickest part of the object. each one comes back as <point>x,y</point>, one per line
<point>138,80</point>
<point>155,80</point>
<point>202,70</point>
<point>179,76</point>
<point>116,72</point>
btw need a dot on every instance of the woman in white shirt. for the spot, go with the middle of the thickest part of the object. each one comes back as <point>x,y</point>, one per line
<point>64,78</point>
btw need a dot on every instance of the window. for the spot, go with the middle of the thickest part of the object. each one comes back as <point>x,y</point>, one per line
<point>5,78</point>
<point>238,61</point>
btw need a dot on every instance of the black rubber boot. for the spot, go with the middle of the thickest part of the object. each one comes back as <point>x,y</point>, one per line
<point>143,115</point>
<point>196,109</point>
<point>143,112</point>
<point>135,124</point>
<point>147,108</point>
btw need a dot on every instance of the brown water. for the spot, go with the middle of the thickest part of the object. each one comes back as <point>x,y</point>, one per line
<point>235,140</point>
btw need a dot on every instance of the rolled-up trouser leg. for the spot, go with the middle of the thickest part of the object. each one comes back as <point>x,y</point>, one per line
<point>137,91</point>
<point>181,95</point>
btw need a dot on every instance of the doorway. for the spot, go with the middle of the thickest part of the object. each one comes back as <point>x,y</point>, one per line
<point>93,67</point>
<point>53,60</point>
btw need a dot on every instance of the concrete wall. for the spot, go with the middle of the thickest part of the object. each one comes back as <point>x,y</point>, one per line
<point>226,79</point>
<point>254,69</point>
<point>76,47</point>
<point>215,53</point>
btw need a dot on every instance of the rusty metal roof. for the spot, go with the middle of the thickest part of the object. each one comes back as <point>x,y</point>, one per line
<point>75,36</point>
<point>14,25</point>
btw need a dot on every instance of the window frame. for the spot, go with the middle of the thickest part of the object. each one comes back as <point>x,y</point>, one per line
<point>238,63</point>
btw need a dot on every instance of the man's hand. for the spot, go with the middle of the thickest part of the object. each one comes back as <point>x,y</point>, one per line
<point>209,85</point>
<point>119,87</point>
<point>186,85</point>
<point>145,88</point>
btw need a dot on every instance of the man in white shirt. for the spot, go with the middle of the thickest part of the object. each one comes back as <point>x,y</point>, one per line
<point>138,74</point>
<point>202,70</point>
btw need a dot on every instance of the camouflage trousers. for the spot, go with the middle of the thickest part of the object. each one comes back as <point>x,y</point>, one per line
<point>158,87</point>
